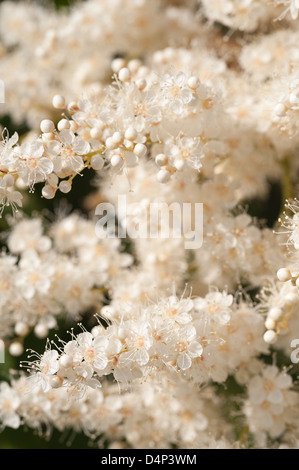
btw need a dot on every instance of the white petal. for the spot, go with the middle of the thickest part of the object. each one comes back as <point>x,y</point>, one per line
<point>283,381</point>
<point>81,147</point>
<point>66,137</point>
<point>195,349</point>
<point>100,362</point>
<point>12,420</point>
<point>275,396</point>
<point>186,95</point>
<point>183,318</point>
<point>45,165</point>
<point>184,362</point>
<point>53,148</point>
<point>122,374</point>
<point>142,357</point>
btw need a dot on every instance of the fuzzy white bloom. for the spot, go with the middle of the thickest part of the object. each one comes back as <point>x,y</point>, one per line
<point>271,405</point>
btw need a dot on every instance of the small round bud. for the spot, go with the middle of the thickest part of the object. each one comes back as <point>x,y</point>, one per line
<point>284,274</point>
<point>16,349</point>
<point>47,126</point>
<point>193,82</point>
<point>47,136</point>
<point>73,107</point>
<point>134,65</point>
<point>96,330</point>
<point>270,337</point>
<point>270,324</point>
<point>141,84</point>
<point>21,328</point>
<point>20,183</point>
<point>41,331</point>
<point>179,164</point>
<point>109,143</point>
<point>140,150</point>
<point>97,162</point>
<point>131,134</point>
<point>143,71</point>
<point>74,126</point>
<point>118,64</point>
<point>124,74</point>
<point>63,124</point>
<point>65,186</point>
<point>161,159</point>
<point>58,102</point>
<point>275,313</point>
<point>169,53</point>
<point>48,191</point>
<point>52,180</point>
<point>95,133</point>
<point>116,161</point>
<point>279,110</point>
<point>163,176</point>
<point>117,137</point>
<point>292,298</point>
<point>66,361</point>
<point>158,57</point>
<point>56,381</point>
<point>8,180</point>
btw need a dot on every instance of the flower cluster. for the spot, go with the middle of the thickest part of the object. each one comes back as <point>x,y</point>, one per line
<point>192,106</point>
<point>271,405</point>
<point>45,276</point>
<point>118,415</point>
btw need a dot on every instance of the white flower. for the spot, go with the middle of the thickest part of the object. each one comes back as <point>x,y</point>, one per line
<point>138,341</point>
<point>271,405</point>
<point>188,347</point>
<point>49,362</point>
<point>175,92</point>
<point>32,166</point>
<point>82,376</point>
<point>292,224</point>
<point>28,235</point>
<point>176,309</point>
<point>7,151</point>
<point>294,9</point>
<point>67,152</point>
<point>269,387</point>
<point>184,149</point>
<point>44,367</point>
<point>216,306</point>
<point>9,197</point>
<point>9,403</point>
<point>34,275</point>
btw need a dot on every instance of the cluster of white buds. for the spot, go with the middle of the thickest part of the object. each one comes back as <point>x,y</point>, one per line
<point>282,305</point>
<point>102,137</point>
